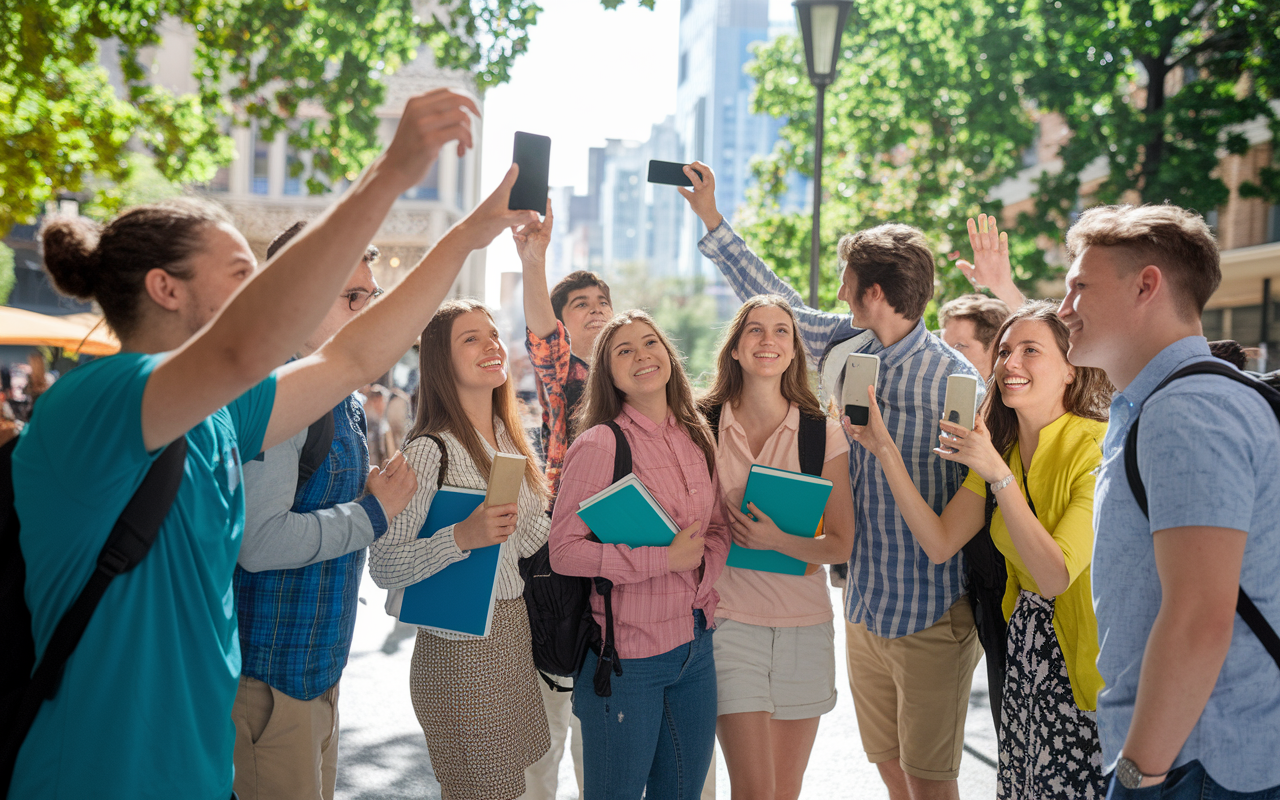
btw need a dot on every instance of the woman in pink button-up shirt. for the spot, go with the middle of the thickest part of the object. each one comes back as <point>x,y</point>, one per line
<point>657,728</point>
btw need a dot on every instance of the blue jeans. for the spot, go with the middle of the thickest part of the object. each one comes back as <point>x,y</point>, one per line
<point>658,729</point>
<point>1187,782</point>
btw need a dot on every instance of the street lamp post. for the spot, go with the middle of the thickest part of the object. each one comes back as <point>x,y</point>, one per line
<point>821,25</point>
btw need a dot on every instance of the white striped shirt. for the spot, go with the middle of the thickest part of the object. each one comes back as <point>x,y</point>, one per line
<point>399,558</point>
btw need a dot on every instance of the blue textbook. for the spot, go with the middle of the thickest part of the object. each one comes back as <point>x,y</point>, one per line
<point>795,502</point>
<point>625,513</point>
<point>458,598</point>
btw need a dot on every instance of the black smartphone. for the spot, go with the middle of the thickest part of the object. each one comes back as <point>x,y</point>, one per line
<point>533,154</point>
<point>670,173</point>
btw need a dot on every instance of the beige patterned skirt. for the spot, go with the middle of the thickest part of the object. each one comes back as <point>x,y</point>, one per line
<point>479,706</point>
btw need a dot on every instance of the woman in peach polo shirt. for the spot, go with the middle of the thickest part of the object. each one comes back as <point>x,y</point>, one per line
<point>774,643</point>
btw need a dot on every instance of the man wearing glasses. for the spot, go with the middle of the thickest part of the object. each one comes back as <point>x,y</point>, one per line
<point>312,506</point>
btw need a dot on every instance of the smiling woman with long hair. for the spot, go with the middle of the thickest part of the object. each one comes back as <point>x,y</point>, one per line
<point>1035,447</point>
<point>477,699</point>
<point>657,730</point>
<point>775,642</point>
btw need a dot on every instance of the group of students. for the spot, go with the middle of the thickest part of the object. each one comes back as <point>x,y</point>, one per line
<point>1117,650</point>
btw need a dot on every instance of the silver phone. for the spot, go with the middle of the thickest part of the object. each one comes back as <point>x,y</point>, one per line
<point>860,371</point>
<point>961,404</point>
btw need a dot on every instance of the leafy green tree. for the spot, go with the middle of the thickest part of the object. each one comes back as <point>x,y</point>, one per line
<point>936,102</point>
<point>7,276</point>
<point>62,121</point>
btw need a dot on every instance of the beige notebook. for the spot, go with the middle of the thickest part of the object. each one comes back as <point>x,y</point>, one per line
<point>505,477</point>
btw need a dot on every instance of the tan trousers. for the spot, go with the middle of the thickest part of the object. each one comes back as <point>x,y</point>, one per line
<point>286,749</point>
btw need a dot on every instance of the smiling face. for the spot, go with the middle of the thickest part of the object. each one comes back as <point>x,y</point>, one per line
<point>479,357</point>
<point>1099,301</point>
<point>1030,370</point>
<point>585,313</point>
<point>766,346</point>
<point>638,362</point>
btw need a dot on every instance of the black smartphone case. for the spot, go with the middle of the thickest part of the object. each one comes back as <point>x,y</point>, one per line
<point>533,154</point>
<point>670,173</point>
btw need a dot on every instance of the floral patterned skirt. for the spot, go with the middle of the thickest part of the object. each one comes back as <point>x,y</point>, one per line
<point>1048,745</point>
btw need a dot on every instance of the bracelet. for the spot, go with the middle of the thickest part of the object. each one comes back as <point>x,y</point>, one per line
<point>1002,483</point>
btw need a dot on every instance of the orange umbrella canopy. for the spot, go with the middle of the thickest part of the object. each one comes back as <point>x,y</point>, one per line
<point>77,333</point>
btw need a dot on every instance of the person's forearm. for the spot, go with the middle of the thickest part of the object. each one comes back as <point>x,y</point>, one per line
<point>827,550</point>
<point>1042,556</point>
<point>538,313</point>
<point>1008,292</point>
<point>293,540</point>
<point>925,524</point>
<point>1184,654</point>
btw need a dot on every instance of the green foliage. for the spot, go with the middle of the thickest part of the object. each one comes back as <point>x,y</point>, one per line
<point>7,276</point>
<point>936,101</point>
<point>61,119</point>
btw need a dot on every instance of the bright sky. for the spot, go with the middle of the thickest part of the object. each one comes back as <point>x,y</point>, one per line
<point>589,75</point>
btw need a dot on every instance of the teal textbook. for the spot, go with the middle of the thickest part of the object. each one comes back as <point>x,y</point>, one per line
<point>458,598</point>
<point>795,502</point>
<point>625,513</point>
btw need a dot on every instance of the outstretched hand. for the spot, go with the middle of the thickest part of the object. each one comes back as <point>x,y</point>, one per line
<point>430,121</point>
<point>874,436</point>
<point>990,267</point>
<point>702,197</point>
<point>492,216</point>
<point>533,237</point>
<point>973,448</point>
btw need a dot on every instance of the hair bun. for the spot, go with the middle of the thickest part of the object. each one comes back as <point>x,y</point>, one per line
<point>71,255</point>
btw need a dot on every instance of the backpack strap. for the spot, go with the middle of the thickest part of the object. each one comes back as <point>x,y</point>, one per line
<point>444,459</point>
<point>128,543</point>
<point>609,663</point>
<point>316,448</point>
<point>1244,606</point>
<point>713,420</point>
<point>812,444</point>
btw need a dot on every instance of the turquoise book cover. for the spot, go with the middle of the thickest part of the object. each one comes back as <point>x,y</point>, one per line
<point>795,502</point>
<point>625,513</point>
<point>458,598</point>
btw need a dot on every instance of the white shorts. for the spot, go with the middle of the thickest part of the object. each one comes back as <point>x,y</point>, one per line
<point>788,672</point>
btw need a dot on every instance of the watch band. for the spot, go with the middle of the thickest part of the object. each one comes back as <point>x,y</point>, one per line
<point>1003,482</point>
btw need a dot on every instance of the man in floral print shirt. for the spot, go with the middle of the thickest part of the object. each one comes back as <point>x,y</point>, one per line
<point>562,329</point>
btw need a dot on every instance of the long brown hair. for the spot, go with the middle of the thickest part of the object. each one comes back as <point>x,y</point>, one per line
<point>729,382</point>
<point>440,409</point>
<point>602,401</point>
<point>1088,396</point>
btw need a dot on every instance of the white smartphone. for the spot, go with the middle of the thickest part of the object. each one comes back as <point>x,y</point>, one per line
<point>860,371</point>
<point>961,404</point>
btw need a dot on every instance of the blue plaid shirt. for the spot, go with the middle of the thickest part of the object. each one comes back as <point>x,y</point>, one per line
<point>893,587</point>
<point>296,624</point>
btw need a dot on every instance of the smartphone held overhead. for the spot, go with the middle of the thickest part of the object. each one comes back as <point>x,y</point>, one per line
<point>669,173</point>
<point>533,156</point>
<point>860,371</point>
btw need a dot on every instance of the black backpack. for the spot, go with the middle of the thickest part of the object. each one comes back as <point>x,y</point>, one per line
<point>1244,606</point>
<point>560,620</point>
<point>24,690</point>
<point>314,450</point>
<point>811,440</point>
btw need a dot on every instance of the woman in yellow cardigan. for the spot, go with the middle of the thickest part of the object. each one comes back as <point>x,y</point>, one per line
<point>1035,446</point>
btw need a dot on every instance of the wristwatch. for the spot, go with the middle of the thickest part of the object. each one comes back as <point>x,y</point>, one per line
<point>1129,775</point>
<point>1003,482</point>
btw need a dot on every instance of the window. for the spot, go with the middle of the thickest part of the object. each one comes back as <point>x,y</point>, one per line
<point>685,5</point>
<point>1273,224</point>
<point>1211,320</point>
<point>259,175</point>
<point>429,187</point>
<point>460,194</point>
<point>684,68</point>
<point>295,175</point>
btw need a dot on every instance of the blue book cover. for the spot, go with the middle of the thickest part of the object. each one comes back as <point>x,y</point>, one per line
<point>458,598</point>
<point>795,502</point>
<point>625,513</point>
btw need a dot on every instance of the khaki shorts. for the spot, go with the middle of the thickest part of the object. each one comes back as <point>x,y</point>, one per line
<point>911,694</point>
<point>788,672</point>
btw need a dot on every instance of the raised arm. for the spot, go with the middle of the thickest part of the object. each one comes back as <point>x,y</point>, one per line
<point>749,276</point>
<point>531,243</point>
<point>274,311</point>
<point>373,341</point>
<point>990,266</point>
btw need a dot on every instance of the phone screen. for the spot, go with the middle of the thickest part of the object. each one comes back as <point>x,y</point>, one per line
<point>860,371</point>
<point>670,173</point>
<point>533,155</point>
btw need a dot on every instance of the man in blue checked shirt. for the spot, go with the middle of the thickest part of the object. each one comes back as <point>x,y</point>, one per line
<point>296,584</point>
<point>912,646</point>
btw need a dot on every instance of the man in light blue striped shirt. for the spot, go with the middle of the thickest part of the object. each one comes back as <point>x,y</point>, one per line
<point>912,644</point>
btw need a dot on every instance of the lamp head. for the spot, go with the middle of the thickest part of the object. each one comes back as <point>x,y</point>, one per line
<point>822,24</point>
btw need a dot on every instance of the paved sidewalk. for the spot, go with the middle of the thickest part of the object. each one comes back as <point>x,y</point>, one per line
<point>383,756</point>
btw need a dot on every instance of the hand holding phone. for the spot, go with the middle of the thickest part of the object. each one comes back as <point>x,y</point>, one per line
<point>533,156</point>
<point>860,371</point>
<point>670,173</point>
<point>961,403</point>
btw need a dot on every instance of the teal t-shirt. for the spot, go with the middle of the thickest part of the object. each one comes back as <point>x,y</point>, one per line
<point>144,708</point>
